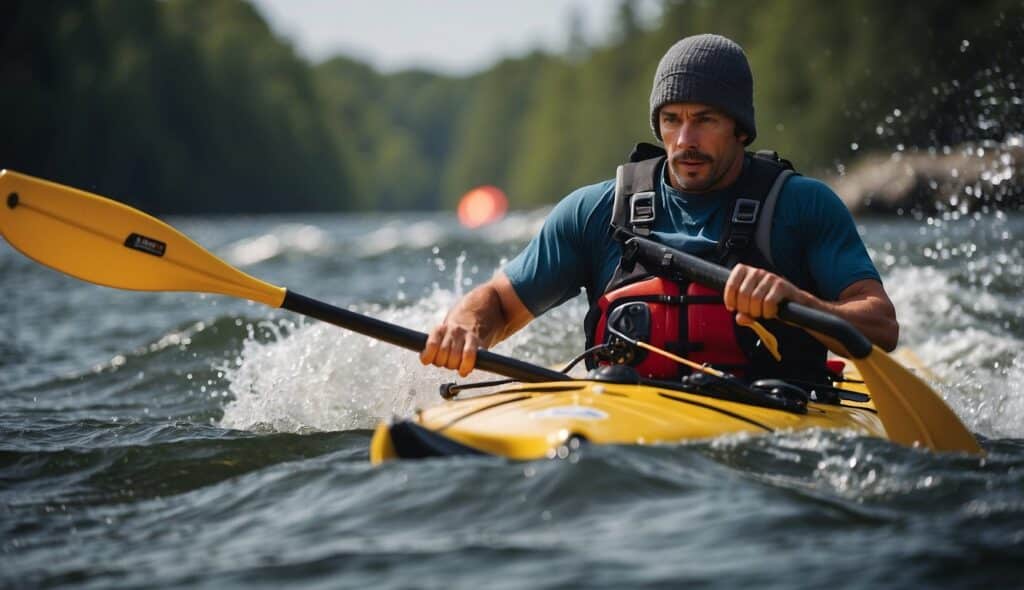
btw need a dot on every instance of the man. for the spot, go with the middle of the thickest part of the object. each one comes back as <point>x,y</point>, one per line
<point>702,110</point>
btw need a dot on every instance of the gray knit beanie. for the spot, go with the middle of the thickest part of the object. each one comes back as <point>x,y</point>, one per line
<point>708,69</point>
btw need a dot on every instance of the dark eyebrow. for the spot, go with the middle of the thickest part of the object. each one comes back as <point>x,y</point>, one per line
<point>700,113</point>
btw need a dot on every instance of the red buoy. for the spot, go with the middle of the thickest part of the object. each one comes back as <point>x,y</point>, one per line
<point>481,206</point>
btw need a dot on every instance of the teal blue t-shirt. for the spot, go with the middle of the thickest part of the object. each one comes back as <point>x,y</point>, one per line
<point>814,241</point>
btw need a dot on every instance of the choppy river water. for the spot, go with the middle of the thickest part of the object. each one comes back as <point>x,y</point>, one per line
<point>179,440</point>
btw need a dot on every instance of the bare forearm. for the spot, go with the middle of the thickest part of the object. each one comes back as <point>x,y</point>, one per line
<point>485,316</point>
<point>756,293</point>
<point>481,313</point>
<point>873,316</point>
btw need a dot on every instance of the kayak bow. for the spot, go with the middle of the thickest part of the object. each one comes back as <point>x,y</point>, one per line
<point>538,420</point>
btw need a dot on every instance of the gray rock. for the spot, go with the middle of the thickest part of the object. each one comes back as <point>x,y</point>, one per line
<point>967,178</point>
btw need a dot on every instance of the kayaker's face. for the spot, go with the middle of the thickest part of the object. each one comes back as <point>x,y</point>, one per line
<point>704,151</point>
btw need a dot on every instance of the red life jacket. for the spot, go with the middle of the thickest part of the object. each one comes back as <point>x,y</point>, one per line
<point>688,319</point>
<point>693,324</point>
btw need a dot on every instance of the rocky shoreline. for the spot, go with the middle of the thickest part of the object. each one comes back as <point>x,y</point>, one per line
<point>966,179</point>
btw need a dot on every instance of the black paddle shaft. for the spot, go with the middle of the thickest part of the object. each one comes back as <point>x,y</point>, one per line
<point>411,339</point>
<point>658,256</point>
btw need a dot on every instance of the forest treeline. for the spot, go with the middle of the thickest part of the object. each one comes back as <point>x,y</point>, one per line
<point>184,106</point>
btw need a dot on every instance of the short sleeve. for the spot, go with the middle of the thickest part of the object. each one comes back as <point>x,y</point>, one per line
<point>835,254</point>
<point>554,266</point>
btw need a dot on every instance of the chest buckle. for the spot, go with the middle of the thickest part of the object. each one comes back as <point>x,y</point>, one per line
<point>641,212</point>
<point>746,211</point>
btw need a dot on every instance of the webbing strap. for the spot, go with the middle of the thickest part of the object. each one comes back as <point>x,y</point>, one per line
<point>634,208</point>
<point>763,235</point>
<point>750,217</point>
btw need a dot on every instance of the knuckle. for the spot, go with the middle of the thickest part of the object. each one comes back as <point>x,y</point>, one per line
<point>441,356</point>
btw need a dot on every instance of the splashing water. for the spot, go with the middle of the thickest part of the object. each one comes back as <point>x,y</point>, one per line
<point>298,377</point>
<point>313,376</point>
<point>957,287</point>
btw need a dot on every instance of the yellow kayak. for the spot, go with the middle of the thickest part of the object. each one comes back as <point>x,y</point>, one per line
<point>538,420</point>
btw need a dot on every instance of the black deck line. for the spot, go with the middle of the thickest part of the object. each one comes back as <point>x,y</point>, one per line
<point>719,410</point>
<point>483,409</point>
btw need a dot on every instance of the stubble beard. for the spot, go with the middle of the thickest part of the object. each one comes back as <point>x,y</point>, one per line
<point>695,184</point>
<point>716,170</point>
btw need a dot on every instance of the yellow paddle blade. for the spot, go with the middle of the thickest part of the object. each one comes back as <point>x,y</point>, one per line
<point>770,342</point>
<point>105,242</point>
<point>909,408</point>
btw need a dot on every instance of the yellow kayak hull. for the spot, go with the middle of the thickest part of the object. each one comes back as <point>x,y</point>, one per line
<point>538,420</point>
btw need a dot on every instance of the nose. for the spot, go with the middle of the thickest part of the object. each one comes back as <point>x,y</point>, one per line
<point>687,136</point>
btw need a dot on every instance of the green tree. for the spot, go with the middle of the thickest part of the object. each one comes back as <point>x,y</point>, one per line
<point>487,135</point>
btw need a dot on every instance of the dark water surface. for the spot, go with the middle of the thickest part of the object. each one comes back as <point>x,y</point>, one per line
<point>178,440</point>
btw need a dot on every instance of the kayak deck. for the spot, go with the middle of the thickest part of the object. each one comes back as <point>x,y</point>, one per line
<point>533,421</point>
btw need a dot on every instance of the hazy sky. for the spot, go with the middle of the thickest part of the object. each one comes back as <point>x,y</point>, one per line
<point>454,36</point>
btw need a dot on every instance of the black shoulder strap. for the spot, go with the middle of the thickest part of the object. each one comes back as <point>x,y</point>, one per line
<point>748,227</point>
<point>634,207</point>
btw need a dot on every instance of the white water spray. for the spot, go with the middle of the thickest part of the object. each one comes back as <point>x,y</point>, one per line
<point>310,376</point>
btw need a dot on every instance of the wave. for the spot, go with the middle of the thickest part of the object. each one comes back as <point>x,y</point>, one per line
<point>282,240</point>
<point>277,505</point>
<point>133,462</point>
<point>960,332</point>
<point>372,236</point>
<point>317,376</point>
